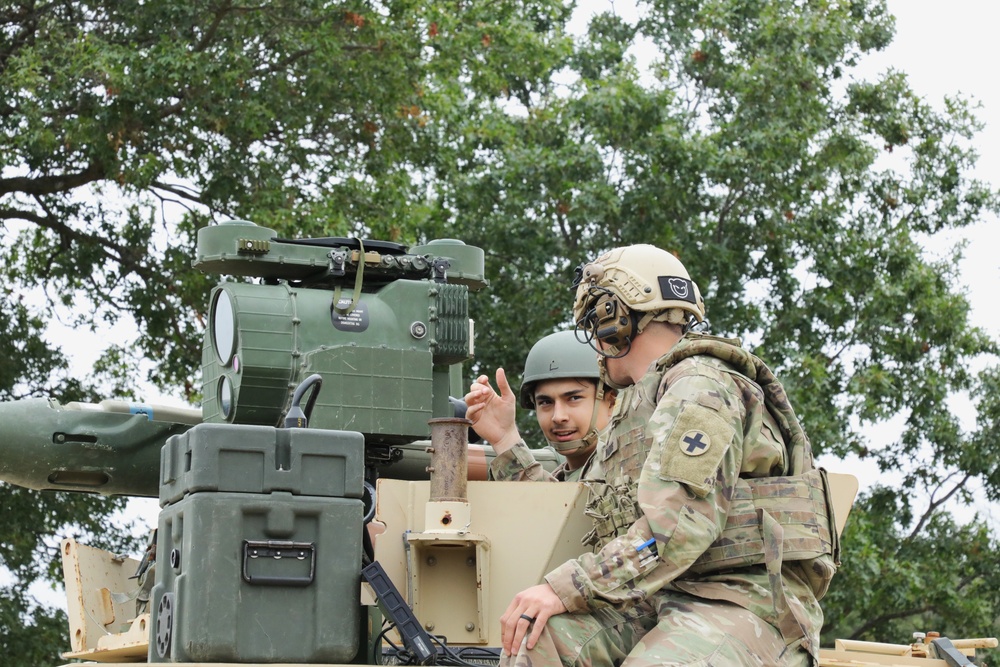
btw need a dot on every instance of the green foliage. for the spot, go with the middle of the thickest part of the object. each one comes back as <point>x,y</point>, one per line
<point>30,633</point>
<point>802,199</point>
<point>23,351</point>
<point>941,577</point>
<point>314,118</point>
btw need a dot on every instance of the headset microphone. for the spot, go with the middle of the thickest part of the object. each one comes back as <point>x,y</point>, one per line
<point>608,334</point>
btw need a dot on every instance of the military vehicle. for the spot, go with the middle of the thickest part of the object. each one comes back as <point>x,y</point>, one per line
<point>325,505</point>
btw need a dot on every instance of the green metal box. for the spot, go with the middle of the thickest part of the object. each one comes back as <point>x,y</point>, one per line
<point>241,458</point>
<point>265,578</point>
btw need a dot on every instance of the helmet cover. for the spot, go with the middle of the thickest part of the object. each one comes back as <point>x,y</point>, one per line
<point>640,278</point>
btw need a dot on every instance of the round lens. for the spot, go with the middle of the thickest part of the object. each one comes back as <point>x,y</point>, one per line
<point>223,326</point>
<point>225,397</point>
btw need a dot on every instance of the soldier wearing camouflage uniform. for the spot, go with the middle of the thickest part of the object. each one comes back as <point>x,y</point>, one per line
<point>712,538</point>
<point>562,384</point>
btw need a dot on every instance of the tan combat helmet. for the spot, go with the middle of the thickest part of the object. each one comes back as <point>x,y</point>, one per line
<point>625,289</point>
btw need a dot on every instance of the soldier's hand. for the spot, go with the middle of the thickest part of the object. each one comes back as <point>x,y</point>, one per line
<point>527,615</point>
<point>492,414</point>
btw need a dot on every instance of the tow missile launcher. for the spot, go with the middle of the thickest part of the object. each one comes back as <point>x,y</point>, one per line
<point>386,328</point>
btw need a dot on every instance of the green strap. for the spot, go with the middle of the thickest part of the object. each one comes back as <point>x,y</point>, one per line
<point>358,280</point>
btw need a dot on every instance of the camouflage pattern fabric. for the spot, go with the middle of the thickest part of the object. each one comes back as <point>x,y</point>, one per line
<point>518,465</point>
<point>661,488</point>
<point>670,629</point>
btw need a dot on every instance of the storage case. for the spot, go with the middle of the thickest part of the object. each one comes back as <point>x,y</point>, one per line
<point>249,567</point>
<point>262,459</point>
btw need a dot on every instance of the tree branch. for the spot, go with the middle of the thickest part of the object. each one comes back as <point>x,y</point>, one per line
<point>28,20</point>
<point>732,197</point>
<point>125,257</point>
<point>20,214</point>
<point>206,40</point>
<point>872,622</point>
<point>47,185</point>
<point>177,192</point>
<point>934,504</point>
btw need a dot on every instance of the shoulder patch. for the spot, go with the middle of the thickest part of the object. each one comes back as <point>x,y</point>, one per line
<point>693,449</point>
<point>695,443</point>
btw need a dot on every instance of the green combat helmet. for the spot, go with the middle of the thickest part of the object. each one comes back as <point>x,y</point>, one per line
<point>557,356</point>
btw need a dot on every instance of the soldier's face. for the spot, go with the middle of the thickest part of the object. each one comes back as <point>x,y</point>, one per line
<point>564,408</point>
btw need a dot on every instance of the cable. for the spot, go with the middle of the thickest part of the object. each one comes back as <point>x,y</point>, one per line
<point>369,491</point>
<point>296,416</point>
<point>313,396</point>
<point>450,657</point>
<point>445,654</point>
<point>487,652</point>
<point>486,655</point>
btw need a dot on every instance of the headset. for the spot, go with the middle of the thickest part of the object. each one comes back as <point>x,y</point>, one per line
<point>610,322</point>
<point>613,323</point>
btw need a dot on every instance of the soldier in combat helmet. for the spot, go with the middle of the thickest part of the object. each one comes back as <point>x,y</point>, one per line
<point>712,538</point>
<point>562,384</point>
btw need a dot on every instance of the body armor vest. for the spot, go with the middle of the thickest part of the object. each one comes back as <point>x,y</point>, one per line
<point>773,520</point>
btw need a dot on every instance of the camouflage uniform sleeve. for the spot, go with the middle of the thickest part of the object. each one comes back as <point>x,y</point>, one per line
<point>683,493</point>
<point>518,465</point>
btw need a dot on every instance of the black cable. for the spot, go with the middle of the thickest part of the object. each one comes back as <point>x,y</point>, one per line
<point>446,655</point>
<point>375,648</point>
<point>399,653</point>
<point>369,491</point>
<point>450,657</point>
<point>296,417</point>
<point>312,398</point>
<point>367,548</point>
<point>488,652</point>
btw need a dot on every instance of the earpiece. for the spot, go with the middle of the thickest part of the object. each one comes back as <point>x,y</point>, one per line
<point>614,323</point>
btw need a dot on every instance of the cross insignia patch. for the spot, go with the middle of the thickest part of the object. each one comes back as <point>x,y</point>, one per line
<point>695,443</point>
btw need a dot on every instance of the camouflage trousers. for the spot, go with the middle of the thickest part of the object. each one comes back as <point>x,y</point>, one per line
<point>670,629</point>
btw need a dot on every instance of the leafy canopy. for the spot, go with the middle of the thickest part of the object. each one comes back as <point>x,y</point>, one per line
<point>801,197</point>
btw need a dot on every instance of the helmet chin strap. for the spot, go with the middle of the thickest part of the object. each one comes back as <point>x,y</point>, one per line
<point>605,378</point>
<point>573,446</point>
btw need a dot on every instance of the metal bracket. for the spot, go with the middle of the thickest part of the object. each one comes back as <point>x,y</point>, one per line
<point>439,270</point>
<point>338,262</point>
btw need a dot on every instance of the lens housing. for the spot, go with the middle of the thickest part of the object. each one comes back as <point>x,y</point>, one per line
<point>223,327</point>
<point>226,397</point>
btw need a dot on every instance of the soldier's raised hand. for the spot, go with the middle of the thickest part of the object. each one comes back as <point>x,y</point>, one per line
<point>492,414</point>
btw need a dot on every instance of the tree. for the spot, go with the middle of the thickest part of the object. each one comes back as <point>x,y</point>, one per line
<point>127,126</point>
<point>938,576</point>
<point>306,116</point>
<point>799,196</point>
